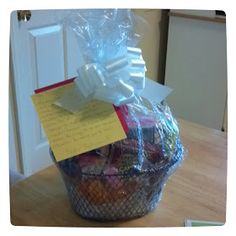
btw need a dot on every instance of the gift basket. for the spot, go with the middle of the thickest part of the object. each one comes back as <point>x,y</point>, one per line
<point>124,179</point>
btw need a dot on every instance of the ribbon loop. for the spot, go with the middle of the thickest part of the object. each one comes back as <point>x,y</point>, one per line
<point>116,81</point>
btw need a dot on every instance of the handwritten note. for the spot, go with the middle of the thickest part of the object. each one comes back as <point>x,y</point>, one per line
<point>70,134</point>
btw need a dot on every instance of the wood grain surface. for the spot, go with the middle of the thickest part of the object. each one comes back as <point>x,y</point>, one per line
<point>197,190</point>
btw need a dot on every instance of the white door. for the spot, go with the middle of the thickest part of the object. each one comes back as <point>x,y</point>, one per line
<point>42,54</point>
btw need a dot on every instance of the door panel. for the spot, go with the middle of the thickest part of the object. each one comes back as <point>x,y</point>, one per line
<point>47,55</point>
<point>47,58</point>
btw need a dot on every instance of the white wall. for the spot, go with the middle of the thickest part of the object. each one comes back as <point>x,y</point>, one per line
<point>151,40</point>
<point>196,69</point>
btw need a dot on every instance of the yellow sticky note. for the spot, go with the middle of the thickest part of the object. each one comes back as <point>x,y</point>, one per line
<point>70,134</point>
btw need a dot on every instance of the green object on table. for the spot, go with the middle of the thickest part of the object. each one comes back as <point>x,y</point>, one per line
<point>199,223</point>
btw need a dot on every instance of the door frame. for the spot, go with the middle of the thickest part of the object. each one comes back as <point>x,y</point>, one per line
<point>15,155</point>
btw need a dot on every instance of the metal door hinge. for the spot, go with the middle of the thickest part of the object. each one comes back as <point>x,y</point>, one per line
<point>24,15</point>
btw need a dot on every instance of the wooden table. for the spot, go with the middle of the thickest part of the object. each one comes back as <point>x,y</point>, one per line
<point>196,191</point>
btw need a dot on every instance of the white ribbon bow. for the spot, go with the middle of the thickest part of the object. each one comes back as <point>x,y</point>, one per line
<point>116,81</point>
